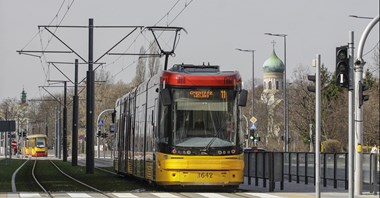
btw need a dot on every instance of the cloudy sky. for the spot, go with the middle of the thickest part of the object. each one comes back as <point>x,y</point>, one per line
<point>215,28</point>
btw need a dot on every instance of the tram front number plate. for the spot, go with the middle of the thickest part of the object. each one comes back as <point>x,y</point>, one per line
<point>204,175</point>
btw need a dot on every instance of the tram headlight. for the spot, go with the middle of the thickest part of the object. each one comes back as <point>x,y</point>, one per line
<point>188,152</point>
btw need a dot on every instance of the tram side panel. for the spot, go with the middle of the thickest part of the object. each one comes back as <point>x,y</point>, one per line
<point>151,116</point>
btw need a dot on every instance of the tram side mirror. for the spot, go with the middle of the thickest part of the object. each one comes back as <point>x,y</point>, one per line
<point>243,98</point>
<point>165,97</point>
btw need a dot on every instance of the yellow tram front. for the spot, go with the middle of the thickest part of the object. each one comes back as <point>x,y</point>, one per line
<point>36,145</point>
<point>199,140</point>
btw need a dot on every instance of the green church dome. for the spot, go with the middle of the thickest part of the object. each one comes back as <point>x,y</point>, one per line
<point>273,64</point>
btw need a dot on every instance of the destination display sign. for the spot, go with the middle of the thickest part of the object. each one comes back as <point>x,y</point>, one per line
<point>205,94</point>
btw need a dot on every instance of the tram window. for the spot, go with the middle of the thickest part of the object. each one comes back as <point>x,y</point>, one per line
<point>163,124</point>
<point>40,142</point>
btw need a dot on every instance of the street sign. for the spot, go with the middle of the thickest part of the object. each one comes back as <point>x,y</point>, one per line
<point>253,126</point>
<point>6,126</point>
<point>253,120</point>
<point>100,123</point>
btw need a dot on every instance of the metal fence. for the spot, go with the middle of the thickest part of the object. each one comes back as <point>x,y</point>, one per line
<point>277,167</point>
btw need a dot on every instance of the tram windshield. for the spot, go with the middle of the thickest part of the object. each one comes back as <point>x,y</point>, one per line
<point>40,142</point>
<point>204,118</point>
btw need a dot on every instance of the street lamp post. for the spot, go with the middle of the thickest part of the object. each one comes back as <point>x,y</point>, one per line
<point>253,74</point>
<point>286,112</point>
<point>360,17</point>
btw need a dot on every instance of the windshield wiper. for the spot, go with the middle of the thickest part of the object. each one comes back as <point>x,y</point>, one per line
<point>210,143</point>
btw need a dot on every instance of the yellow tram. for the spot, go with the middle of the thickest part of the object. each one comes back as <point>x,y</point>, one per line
<point>36,145</point>
<point>181,129</point>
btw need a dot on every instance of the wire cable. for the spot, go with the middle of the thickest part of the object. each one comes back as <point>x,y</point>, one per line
<point>374,47</point>
<point>59,23</point>
<point>151,43</point>
<point>167,13</point>
<point>183,9</point>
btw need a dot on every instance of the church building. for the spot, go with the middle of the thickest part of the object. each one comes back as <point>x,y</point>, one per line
<point>273,92</point>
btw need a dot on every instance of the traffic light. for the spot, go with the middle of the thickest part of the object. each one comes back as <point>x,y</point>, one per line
<point>362,98</point>
<point>311,88</point>
<point>342,66</point>
<point>98,134</point>
<point>252,134</point>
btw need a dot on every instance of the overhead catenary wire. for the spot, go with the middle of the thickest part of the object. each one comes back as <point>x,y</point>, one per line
<point>152,43</point>
<point>39,33</point>
<point>167,13</point>
<point>44,46</point>
<point>60,22</point>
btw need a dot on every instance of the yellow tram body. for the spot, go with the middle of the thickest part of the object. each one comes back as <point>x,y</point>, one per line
<point>181,129</point>
<point>36,145</point>
<point>199,170</point>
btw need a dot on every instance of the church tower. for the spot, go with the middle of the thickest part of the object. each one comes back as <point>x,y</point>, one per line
<point>273,91</point>
<point>23,96</point>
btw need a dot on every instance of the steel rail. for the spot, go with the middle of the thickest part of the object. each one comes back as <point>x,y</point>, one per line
<point>36,180</point>
<point>14,189</point>
<point>84,184</point>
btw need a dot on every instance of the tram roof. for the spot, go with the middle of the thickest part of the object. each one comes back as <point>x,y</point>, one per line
<point>36,135</point>
<point>200,75</point>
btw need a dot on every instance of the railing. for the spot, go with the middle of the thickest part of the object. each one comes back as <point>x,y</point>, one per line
<point>275,167</point>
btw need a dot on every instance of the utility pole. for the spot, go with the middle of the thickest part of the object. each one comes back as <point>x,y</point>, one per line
<point>59,131</point>
<point>56,133</point>
<point>317,127</point>
<point>74,151</point>
<point>358,67</point>
<point>351,116</point>
<point>90,102</point>
<point>64,122</point>
<point>64,135</point>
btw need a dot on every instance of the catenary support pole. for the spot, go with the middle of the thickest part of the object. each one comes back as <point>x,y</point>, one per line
<point>74,151</point>
<point>56,133</point>
<point>90,102</point>
<point>64,147</point>
<point>59,130</point>
<point>317,126</point>
<point>351,117</point>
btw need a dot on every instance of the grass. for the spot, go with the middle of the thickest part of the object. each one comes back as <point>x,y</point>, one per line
<point>7,167</point>
<point>102,180</point>
<point>24,179</point>
<point>54,181</point>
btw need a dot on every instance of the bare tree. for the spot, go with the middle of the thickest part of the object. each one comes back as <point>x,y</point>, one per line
<point>140,70</point>
<point>153,61</point>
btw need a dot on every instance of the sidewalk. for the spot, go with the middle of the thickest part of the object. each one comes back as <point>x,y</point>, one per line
<point>294,189</point>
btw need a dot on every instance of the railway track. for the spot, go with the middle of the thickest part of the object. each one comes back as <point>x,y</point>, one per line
<point>55,179</point>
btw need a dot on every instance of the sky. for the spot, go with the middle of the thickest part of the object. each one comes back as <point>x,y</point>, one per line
<point>215,28</point>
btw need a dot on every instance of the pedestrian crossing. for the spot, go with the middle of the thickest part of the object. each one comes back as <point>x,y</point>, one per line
<point>143,195</point>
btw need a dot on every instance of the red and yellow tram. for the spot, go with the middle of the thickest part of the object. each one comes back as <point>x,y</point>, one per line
<point>36,145</point>
<point>181,128</point>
